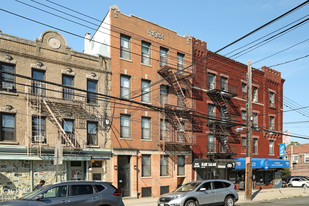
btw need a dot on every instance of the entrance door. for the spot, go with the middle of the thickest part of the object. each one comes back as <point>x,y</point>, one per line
<point>124,175</point>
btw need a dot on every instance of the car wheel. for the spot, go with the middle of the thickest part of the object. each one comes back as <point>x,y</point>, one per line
<point>229,201</point>
<point>191,203</point>
<point>290,185</point>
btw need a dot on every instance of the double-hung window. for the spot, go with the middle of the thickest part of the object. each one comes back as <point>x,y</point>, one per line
<point>163,56</point>
<point>68,127</point>
<point>164,165</point>
<point>92,133</point>
<point>7,127</point>
<point>146,96</point>
<point>125,87</point>
<point>67,93</point>
<point>163,94</point>
<point>243,115</point>
<point>38,130</point>
<point>146,165</point>
<point>271,123</point>
<point>255,119</point>
<point>211,81</point>
<point>38,86</point>
<point>146,128</point>
<point>146,53</point>
<point>164,129</point>
<point>91,90</point>
<point>271,146</point>
<point>272,99</point>
<point>180,62</point>
<point>125,47</point>
<point>224,85</point>
<point>255,146</point>
<point>255,94</point>
<point>211,111</point>
<point>125,126</point>
<point>243,87</point>
<point>211,143</point>
<point>243,145</point>
<point>7,81</point>
<point>181,165</point>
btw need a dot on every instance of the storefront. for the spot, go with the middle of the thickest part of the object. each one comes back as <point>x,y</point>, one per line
<point>212,169</point>
<point>266,173</point>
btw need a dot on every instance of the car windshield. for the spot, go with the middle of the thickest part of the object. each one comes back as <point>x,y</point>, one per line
<point>33,193</point>
<point>188,187</point>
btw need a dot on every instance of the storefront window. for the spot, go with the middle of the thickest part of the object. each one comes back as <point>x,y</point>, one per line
<point>268,178</point>
<point>259,177</point>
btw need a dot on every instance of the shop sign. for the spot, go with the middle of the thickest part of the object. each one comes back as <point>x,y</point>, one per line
<point>208,164</point>
<point>229,165</point>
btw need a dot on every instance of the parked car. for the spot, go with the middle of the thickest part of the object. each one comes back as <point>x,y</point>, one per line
<point>298,182</point>
<point>77,193</point>
<point>201,193</point>
<point>287,179</point>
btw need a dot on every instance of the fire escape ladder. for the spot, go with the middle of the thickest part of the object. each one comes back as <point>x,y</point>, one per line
<point>54,118</point>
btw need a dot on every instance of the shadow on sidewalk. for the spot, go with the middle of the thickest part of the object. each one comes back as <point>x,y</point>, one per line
<point>256,193</point>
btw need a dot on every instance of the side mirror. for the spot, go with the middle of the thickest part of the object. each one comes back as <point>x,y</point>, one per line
<point>202,189</point>
<point>39,197</point>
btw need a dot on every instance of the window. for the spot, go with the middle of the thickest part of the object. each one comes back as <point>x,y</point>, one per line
<point>7,81</point>
<point>211,143</point>
<point>67,93</point>
<point>211,111</point>
<point>295,158</point>
<point>181,165</point>
<point>224,84</point>
<point>146,53</point>
<point>125,124</point>
<point>38,87</point>
<point>164,129</point>
<point>68,127</point>
<point>255,119</point>
<point>146,192</point>
<point>218,185</point>
<point>38,129</point>
<point>92,133</point>
<point>163,56</point>
<point>207,186</point>
<point>125,48</point>
<point>271,123</point>
<point>146,166</point>
<point>259,177</point>
<point>99,188</point>
<point>244,87</point>
<point>223,140</point>
<point>91,89</point>
<point>180,62</point>
<point>271,146</point>
<point>180,132</point>
<point>255,94</point>
<point>306,158</point>
<point>146,121</point>
<point>81,190</point>
<point>146,97</point>
<point>243,115</point>
<point>7,127</point>
<point>272,99</point>
<point>243,145</point>
<point>60,191</point>
<point>163,94</point>
<point>125,87</point>
<point>211,81</point>
<point>255,146</point>
<point>164,165</point>
<point>164,189</point>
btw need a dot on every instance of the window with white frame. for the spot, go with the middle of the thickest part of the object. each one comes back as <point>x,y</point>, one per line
<point>223,144</point>
<point>164,165</point>
<point>146,133</point>
<point>125,126</point>
<point>7,81</point>
<point>125,48</point>
<point>163,94</point>
<point>243,145</point>
<point>92,133</point>
<point>243,115</point>
<point>271,146</point>
<point>38,129</point>
<point>243,87</point>
<point>125,86</point>
<point>224,85</point>
<point>180,62</point>
<point>306,158</point>
<point>272,99</point>
<point>7,127</point>
<point>255,119</point>
<point>255,146</point>
<point>181,165</point>
<point>146,165</point>
<point>163,56</point>
<point>146,53</point>
<point>255,94</point>
<point>146,96</point>
<point>211,143</point>
<point>211,81</point>
<point>164,129</point>
<point>211,111</point>
<point>271,123</point>
<point>295,158</point>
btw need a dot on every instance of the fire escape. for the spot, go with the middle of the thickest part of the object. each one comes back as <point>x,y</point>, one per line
<point>179,117</point>
<point>222,128</point>
<point>58,105</point>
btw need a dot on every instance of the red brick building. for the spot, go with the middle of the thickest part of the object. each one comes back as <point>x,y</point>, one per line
<point>298,155</point>
<point>151,152</point>
<point>221,90</point>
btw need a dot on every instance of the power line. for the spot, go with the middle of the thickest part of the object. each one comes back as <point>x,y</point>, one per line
<point>293,60</point>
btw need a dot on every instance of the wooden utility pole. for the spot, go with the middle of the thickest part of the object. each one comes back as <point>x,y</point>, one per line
<point>248,178</point>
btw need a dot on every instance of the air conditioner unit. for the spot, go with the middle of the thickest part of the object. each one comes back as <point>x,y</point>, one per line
<point>39,138</point>
<point>295,161</point>
<point>6,85</point>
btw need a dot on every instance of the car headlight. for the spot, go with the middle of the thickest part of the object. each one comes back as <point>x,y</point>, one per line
<point>179,196</point>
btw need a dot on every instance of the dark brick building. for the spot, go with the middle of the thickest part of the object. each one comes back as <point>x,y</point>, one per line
<point>220,89</point>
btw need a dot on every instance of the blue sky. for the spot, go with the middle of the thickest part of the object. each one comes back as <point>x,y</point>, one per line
<point>216,22</point>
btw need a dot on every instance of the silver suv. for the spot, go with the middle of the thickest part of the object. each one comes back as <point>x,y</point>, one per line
<point>201,193</point>
<point>75,193</point>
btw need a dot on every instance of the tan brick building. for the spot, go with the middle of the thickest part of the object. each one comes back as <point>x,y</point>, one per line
<point>47,100</point>
<point>298,155</point>
<point>151,150</point>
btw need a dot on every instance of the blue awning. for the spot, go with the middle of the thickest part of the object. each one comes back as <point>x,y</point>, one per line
<point>262,163</point>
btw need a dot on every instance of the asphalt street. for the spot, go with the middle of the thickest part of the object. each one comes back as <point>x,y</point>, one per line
<point>298,201</point>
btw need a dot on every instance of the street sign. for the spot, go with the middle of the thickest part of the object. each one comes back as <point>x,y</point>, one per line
<point>281,150</point>
<point>58,155</point>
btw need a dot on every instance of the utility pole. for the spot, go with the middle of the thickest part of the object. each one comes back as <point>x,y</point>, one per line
<point>248,178</point>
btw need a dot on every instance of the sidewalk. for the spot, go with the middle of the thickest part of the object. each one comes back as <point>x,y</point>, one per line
<point>258,195</point>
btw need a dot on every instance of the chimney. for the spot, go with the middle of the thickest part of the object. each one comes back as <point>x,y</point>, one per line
<point>87,43</point>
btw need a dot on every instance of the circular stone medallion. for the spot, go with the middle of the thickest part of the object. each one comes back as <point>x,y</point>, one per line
<point>54,43</point>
